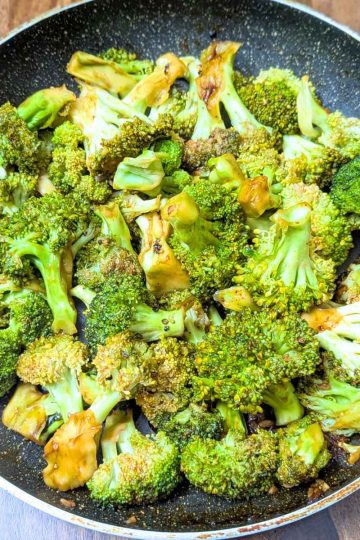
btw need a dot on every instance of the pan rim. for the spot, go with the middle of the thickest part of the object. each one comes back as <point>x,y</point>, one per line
<point>220,534</point>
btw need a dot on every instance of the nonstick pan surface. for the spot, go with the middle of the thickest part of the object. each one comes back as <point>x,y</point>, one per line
<point>273,34</point>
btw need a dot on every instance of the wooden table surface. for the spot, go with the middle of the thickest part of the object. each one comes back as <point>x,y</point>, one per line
<point>19,521</point>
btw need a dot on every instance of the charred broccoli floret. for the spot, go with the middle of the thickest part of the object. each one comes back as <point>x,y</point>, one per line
<point>54,363</point>
<point>145,469</point>
<point>248,353</point>
<point>303,452</point>
<point>282,271</point>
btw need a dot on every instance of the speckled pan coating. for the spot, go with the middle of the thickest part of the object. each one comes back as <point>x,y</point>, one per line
<point>273,35</point>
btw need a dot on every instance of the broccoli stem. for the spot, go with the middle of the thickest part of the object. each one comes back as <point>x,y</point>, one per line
<point>124,440</point>
<point>112,430</point>
<point>214,316</point>
<point>104,403</point>
<point>195,328</point>
<point>283,399</point>
<point>114,225</point>
<point>82,293</point>
<point>67,394</point>
<point>234,423</point>
<point>49,265</point>
<point>153,325</point>
<point>310,443</point>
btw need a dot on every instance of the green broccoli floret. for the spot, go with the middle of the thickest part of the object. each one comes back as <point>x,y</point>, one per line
<point>31,413</point>
<point>233,467</point>
<point>333,130</point>
<point>129,62</point>
<point>171,372</point>
<point>162,269</point>
<point>171,185</point>
<point>145,470</point>
<point>42,232</point>
<point>239,360</point>
<point>67,170</point>
<point>194,421</point>
<point>109,252</point>
<point>334,403</point>
<point>208,250</point>
<point>271,97</point>
<point>54,363</point>
<point>24,316</point>
<point>330,230</point>
<point>19,147</point>
<point>348,289</point>
<point>307,161</point>
<point>42,109</point>
<point>345,187</point>
<point>285,403</point>
<point>120,304</point>
<point>282,270</point>
<point>338,330</point>
<point>170,153</point>
<point>15,189</point>
<point>303,452</point>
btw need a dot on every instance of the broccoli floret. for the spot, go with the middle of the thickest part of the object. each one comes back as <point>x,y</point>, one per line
<point>143,173</point>
<point>285,403</point>
<point>162,269</point>
<point>67,170</point>
<point>333,130</point>
<point>109,252</point>
<point>330,230</point>
<point>42,109</point>
<point>172,369</point>
<point>335,404</point>
<point>208,250</point>
<point>271,97</point>
<point>307,161</point>
<point>232,469</point>
<point>258,155</point>
<point>41,232</point>
<point>248,353</point>
<point>31,413</point>
<point>345,187</point>
<point>19,147</point>
<point>54,362</point>
<point>120,304</point>
<point>15,189</point>
<point>170,153</point>
<point>145,470</point>
<point>171,185</point>
<point>339,333</point>
<point>348,289</point>
<point>221,141</point>
<point>194,421</point>
<point>303,452</point>
<point>282,271</point>
<point>129,62</point>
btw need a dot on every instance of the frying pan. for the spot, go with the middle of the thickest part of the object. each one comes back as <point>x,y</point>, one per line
<point>274,34</point>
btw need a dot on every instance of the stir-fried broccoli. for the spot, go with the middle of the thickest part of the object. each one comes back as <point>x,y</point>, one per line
<point>42,109</point>
<point>335,403</point>
<point>129,62</point>
<point>54,363</point>
<point>348,289</point>
<point>285,403</point>
<point>233,467</point>
<point>282,271</point>
<point>145,469</point>
<point>248,353</point>
<point>302,452</point>
<point>345,187</point>
<point>31,413</point>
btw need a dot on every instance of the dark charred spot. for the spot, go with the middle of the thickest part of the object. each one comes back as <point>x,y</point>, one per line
<point>166,69</point>
<point>166,328</point>
<point>165,321</point>
<point>157,246</point>
<point>208,92</point>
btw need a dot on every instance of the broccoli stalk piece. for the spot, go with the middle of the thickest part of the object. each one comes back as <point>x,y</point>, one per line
<point>348,289</point>
<point>339,333</point>
<point>145,470</point>
<point>162,269</point>
<point>120,304</point>
<point>42,109</point>
<point>41,232</point>
<point>352,450</point>
<point>285,403</point>
<point>34,415</point>
<point>129,62</point>
<point>302,452</point>
<point>233,467</point>
<point>132,206</point>
<point>54,363</point>
<point>345,187</point>
<point>101,72</point>
<point>282,271</point>
<point>333,130</point>
<point>143,173</point>
<point>234,298</point>
<point>335,404</point>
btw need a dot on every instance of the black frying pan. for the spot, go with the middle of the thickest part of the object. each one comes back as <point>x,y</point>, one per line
<point>273,35</point>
